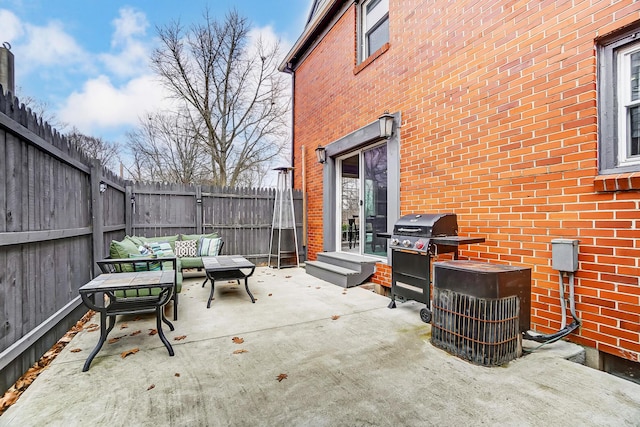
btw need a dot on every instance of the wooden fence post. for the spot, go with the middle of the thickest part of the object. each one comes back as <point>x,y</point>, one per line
<point>129,203</point>
<point>199,225</point>
<point>97,213</point>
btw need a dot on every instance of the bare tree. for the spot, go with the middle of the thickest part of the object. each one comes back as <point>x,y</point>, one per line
<point>234,89</point>
<point>42,109</point>
<point>166,147</point>
<point>97,148</point>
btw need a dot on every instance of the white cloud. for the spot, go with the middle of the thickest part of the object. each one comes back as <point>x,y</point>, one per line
<point>61,49</point>
<point>133,55</point>
<point>102,106</point>
<point>130,23</point>
<point>38,47</point>
<point>10,27</point>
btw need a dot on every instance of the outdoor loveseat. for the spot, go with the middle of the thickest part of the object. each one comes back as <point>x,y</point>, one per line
<point>185,251</point>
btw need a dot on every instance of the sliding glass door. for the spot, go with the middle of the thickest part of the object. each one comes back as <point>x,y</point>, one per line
<point>362,201</point>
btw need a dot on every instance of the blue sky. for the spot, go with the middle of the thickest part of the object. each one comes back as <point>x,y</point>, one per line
<point>87,59</point>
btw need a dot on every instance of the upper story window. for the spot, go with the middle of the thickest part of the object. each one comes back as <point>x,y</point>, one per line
<point>619,102</point>
<point>374,32</point>
<point>628,95</point>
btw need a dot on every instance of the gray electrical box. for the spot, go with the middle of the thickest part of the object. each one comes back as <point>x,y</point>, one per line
<point>564,254</point>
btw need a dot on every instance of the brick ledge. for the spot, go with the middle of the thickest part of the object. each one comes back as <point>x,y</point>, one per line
<point>371,58</point>
<point>619,182</point>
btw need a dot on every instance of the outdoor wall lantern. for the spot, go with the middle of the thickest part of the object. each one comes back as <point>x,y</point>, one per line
<point>103,187</point>
<point>321,154</point>
<point>386,125</point>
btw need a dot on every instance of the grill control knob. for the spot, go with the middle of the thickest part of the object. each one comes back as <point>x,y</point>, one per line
<point>406,243</point>
<point>395,242</point>
<point>419,244</point>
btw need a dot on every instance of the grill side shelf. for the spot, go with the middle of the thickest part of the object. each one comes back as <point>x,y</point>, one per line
<point>456,240</point>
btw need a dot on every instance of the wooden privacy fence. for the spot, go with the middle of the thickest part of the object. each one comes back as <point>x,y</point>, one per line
<point>59,210</point>
<point>242,216</point>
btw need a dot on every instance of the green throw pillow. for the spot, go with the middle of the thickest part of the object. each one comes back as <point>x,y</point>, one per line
<point>122,249</point>
<point>139,241</point>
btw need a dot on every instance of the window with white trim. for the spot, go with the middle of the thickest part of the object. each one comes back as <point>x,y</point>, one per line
<point>619,102</point>
<point>374,31</point>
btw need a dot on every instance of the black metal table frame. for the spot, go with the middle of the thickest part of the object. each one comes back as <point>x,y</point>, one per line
<point>119,265</point>
<point>228,272</point>
<point>128,305</point>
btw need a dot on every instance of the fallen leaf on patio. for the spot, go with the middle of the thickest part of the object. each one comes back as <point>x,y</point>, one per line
<point>176,375</point>
<point>129,352</point>
<point>270,294</point>
<point>65,339</point>
<point>318,287</point>
<point>91,325</point>
<point>8,399</point>
<point>11,395</point>
<point>335,317</point>
<point>133,334</point>
<point>137,318</point>
<point>240,351</point>
<point>287,277</point>
<point>76,350</point>
<point>92,328</point>
<point>113,340</point>
<point>124,326</point>
<point>151,386</point>
<point>237,340</point>
<point>180,338</point>
<point>282,377</point>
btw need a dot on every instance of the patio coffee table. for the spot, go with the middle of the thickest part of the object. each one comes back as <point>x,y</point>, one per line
<point>146,291</point>
<point>227,267</point>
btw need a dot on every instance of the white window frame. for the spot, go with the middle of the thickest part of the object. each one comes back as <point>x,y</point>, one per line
<point>624,102</point>
<point>370,22</point>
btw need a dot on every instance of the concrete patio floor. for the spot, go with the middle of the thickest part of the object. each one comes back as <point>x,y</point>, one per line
<point>348,360</point>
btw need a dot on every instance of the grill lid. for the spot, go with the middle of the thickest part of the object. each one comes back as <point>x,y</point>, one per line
<point>414,231</point>
<point>426,225</point>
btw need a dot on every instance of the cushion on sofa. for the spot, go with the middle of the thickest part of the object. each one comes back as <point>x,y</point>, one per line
<point>197,238</point>
<point>209,247</point>
<point>171,240</point>
<point>143,266</point>
<point>139,241</point>
<point>122,249</point>
<point>191,262</point>
<point>186,248</point>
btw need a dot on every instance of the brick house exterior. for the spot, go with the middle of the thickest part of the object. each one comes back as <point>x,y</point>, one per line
<point>505,114</point>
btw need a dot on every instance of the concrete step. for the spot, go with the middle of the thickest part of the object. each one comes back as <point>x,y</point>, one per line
<point>335,274</point>
<point>361,264</point>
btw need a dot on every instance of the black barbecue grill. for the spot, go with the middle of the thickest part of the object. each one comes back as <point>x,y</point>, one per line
<point>417,238</point>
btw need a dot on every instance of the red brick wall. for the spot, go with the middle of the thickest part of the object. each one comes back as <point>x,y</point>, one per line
<point>499,125</point>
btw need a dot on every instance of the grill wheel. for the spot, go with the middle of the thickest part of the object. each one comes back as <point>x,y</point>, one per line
<point>425,315</point>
